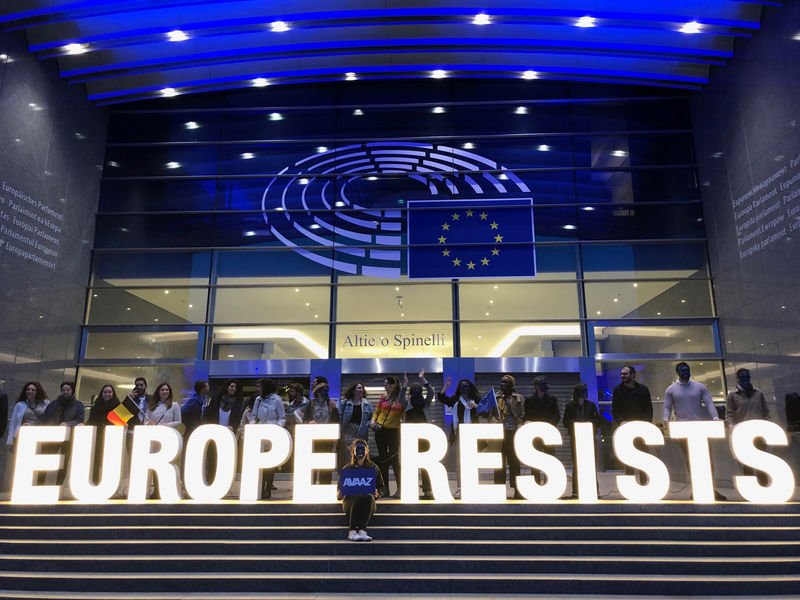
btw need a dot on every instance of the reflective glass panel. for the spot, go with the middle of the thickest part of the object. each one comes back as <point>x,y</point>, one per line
<point>141,344</point>
<point>267,342</point>
<point>654,339</point>
<point>677,298</point>
<point>524,301</point>
<point>124,306</point>
<point>272,303</point>
<point>497,339</point>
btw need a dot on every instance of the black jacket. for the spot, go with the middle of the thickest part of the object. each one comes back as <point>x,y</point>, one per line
<point>211,414</point>
<point>574,412</point>
<point>3,414</point>
<point>542,409</point>
<point>631,403</point>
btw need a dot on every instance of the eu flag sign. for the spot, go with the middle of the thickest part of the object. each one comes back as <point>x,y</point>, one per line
<point>471,238</point>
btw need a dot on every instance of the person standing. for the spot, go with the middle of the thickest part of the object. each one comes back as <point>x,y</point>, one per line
<point>104,403</point>
<point>28,410</point>
<point>386,424</point>
<point>194,407</point>
<point>631,401</point>
<point>691,401</point>
<point>746,403</point>
<point>418,411</point>
<point>579,410</point>
<point>464,404</point>
<point>355,415</point>
<point>267,409</point>
<point>162,410</point>
<point>225,409</point>
<point>541,406</point>
<point>510,413</point>
<point>66,410</point>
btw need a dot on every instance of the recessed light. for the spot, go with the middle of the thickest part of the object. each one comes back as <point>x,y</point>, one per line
<point>247,155</point>
<point>521,110</point>
<point>303,181</point>
<point>691,27</point>
<point>402,314</point>
<point>487,314</point>
<point>260,82</point>
<point>783,308</point>
<point>296,289</point>
<point>94,295</point>
<point>279,26</point>
<point>231,356</point>
<point>468,146</point>
<point>350,76</point>
<point>619,153</point>
<point>321,149</point>
<point>598,312</point>
<point>530,75</point>
<point>481,19</point>
<point>543,148</point>
<point>339,203</point>
<point>308,303</point>
<point>616,299</point>
<point>372,178</point>
<point>276,116</point>
<point>439,74</point>
<point>569,227</point>
<point>635,285</point>
<point>314,226</point>
<point>190,125</point>
<point>169,92</point>
<point>502,176</point>
<point>191,306</point>
<point>491,301</point>
<point>658,314</point>
<point>438,110</point>
<point>495,287</point>
<point>588,208</point>
<point>156,320</point>
<point>173,165</point>
<point>316,316</point>
<point>683,301</point>
<point>586,21</point>
<point>358,112</point>
<point>128,308</point>
<point>177,36</point>
<point>75,49</point>
<point>249,233</point>
<point>166,291</point>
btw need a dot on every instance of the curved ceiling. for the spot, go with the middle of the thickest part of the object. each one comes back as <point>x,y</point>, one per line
<point>124,50</point>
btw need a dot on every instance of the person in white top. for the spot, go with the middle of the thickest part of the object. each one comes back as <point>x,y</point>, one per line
<point>161,410</point>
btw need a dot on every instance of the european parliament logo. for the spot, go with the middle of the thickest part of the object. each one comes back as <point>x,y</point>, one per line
<point>354,208</point>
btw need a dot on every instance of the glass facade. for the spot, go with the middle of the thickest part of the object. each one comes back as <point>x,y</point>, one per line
<point>229,231</point>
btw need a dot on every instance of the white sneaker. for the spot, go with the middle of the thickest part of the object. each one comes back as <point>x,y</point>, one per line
<point>353,536</point>
<point>362,535</point>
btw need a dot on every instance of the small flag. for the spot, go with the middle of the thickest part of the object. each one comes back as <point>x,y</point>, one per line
<point>487,403</point>
<point>123,412</point>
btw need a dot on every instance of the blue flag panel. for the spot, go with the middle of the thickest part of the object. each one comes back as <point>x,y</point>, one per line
<point>471,238</point>
<point>487,403</point>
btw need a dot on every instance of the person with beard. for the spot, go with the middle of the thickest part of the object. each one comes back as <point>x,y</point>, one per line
<point>631,401</point>
<point>746,403</point>
<point>541,406</point>
<point>419,412</point>
<point>359,507</point>
<point>225,409</point>
<point>66,410</point>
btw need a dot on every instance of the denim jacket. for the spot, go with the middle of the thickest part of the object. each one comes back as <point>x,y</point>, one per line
<point>346,412</point>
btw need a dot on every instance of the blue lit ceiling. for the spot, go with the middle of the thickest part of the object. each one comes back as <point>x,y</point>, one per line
<point>124,50</point>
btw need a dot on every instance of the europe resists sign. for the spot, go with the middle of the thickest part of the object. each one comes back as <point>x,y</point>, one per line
<point>157,449</point>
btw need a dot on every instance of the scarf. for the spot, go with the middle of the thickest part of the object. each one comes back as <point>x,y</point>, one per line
<point>226,403</point>
<point>467,416</point>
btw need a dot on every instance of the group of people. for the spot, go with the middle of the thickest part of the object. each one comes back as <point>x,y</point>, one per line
<point>686,399</point>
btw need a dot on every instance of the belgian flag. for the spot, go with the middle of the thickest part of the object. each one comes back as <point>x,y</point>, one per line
<point>123,412</point>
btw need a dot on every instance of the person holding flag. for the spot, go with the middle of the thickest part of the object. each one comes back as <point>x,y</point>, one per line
<point>509,410</point>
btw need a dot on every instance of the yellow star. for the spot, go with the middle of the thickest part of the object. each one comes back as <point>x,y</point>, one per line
<point>456,262</point>
<point>442,239</point>
<point>495,251</point>
<point>455,216</point>
<point>494,224</point>
<point>498,238</point>
<point>446,226</point>
<point>483,216</point>
<point>445,252</point>
<point>470,265</point>
<point>484,261</point>
<point>469,213</point>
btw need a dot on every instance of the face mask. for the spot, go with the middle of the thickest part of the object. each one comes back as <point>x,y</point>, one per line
<point>361,451</point>
<point>583,392</point>
<point>465,389</point>
<point>543,387</point>
<point>684,372</point>
<point>744,382</point>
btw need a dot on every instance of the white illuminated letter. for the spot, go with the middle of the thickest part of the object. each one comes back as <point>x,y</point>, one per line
<point>81,480</point>
<point>413,460</point>
<point>194,477</point>
<point>657,485</point>
<point>586,467</point>
<point>254,459</point>
<point>28,462</point>
<point>144,460</point>
<point>697,435</point>
<point>471,461</point>
<point>306,461</point>
<point>556,475</point>
<point>781,486</point>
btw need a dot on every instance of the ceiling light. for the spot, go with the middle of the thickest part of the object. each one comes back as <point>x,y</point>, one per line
<point>275,117</point>
<point>308,303</point>
<point>314,226</point>
<point>74,49</point>
<point>530,75</point>
<point>598,312</point>
<point>570,227</point>
<point>402,314</point>
<point>169,92</point>
<point>247,155</point>
<point>439,74</point>
<point>296,289</point>
<point>495,287</point>
<point>481,19</point>
<point>438,110</point>
<point>350,76</point>
<point>190,125</point>
<point>491,301</point>
<point>321,149</point>
<point>128,308</point>
<point>372,178</point>
<point>543,148</point>
<point>177,36</point>
<point>468,146</point>
<point>691,27</point>
<point>191,306</point>
<point>316,316</point>
<point>487,314</point>
<point>173,165</point>
<point>358,112</point>
<point>3,56</point>
<point>231,356</point>
<point>795,37</point>
<point>260,82</point>
<point>303,181</point>
<point>619,153</point>
<point>588,208</point>
<point>249,233</point>
<point>502,176</point>
<point>586,21</point>
<point>616,299</point>
<point>521,110</point>
<point>279,26</point>
<point>340,203</point>
<point>635,285</point>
